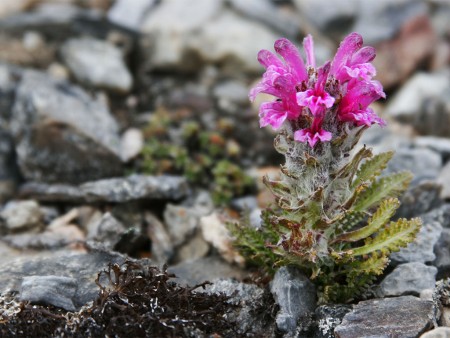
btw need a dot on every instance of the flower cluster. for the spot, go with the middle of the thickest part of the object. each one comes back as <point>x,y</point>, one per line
<point>338,92</point>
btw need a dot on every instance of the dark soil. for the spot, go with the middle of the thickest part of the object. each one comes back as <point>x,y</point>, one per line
<point>133,301</point>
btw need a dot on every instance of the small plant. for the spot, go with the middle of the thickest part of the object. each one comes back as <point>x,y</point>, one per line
<point>333,211</point>
<point>178,144</point>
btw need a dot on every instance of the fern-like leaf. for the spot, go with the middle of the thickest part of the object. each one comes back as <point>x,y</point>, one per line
<point>383,214</point>
<point>390,239</point>
<point>372,168</point>
<point>388,186</point>
<point>346,222</point>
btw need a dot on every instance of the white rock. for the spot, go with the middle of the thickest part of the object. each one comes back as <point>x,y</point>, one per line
<point>215,232</point>
<point>407,103</point>
<point>128,13</point>
<point>97,63</point>
<point>131,144</point>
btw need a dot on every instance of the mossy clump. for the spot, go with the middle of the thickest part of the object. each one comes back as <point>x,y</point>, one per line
<point>178,143</point>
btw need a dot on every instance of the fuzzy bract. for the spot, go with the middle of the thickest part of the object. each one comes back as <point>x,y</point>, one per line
<point>306,98</point>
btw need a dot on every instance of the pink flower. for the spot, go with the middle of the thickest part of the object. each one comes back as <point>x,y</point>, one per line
<point>317,99</point>
<point>305,96</point>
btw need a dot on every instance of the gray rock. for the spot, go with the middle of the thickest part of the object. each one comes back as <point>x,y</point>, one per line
<point>231,95</point>
<point>171,25</point>
<point>181,222</point>
<point>84,268</point>
<point>112,190</point>
<point>21,215</point>
<point>61,134</point>
<point>442,252</point>
<point>244,203</point>
<point>421,162</point>
<point>384,139</point>
<point>131,144</point>
<point>230,40</point>
<point>381,20</point>
<point>129,14</point>
<point>106,230</point>
<point>296,296</point>
<point>265,11</point>
<point>416,101</point>
<point>251,317</point>
<point>195,248</point>
<point>420,198</point>
<point>328,317</point>
<point>58,291</point>
<point>439,332</point>
<point>422,249</point>
<point>402,317</point>
<point>410,278</point>
<point>82,57</point>
<point>186,35</point>
<point>334,16</point>
<point>210,268</point>
<point>440,215</point>
<point>444,179</point>
<point>52,19</point>
<point>438,144</point>
<point>161,245</point>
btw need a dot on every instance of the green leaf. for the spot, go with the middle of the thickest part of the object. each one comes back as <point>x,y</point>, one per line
<point>393,237</point>
<point>349,169</point>
<point>383,214</point>
<point>373,265</point>
<point>388,186</point>
<point>347,222</point>
<point>372,168</point>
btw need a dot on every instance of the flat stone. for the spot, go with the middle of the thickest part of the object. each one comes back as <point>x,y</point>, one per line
<point>162,247</point>
<point>58,291</point>
<point>112,190</point>
<point>401,317</point>
<point>421,162</point>
<point>181,222</point>
<point>106,230</point>
<point>410,278</point>
<point>84,268</point>
<point>328,317</point>
<point>408,101</point>
<point>422,249</point>
<point>420,198</point>
<point>61,133</point>
<point>296,296</point>
<point>21,215</point>
<point>437,144</point>
<point>81,57</point>
<point>210,268</point>
<point>251,315</point>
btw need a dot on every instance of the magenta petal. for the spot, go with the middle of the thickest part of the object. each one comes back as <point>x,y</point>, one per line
<point>347,48</point>
<point>292,57</point>
<point>267,58</point>
<point>365,54</point>
<point>272,113</point>
<point>308,45</point>
<point>307,135</point>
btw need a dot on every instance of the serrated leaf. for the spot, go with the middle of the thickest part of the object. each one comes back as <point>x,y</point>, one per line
<point>350,168</point>
<point>383,214</point>
<point>374,265</point>
<point>349,220</point>
<point>390,239</point>
<point>372,168</point>
<point>388,186</point>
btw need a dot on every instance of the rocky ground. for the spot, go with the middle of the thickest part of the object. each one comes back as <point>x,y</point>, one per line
<point>127,139</point>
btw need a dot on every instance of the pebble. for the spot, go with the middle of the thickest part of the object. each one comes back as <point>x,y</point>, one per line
<point>131,144</point>
<point>439,332</point>
<point>295,295</point>
<point>82,57</point>
<point>422,249</point>
<point>22,215</point>
<point>129,14</point>
<point>410,278</point>
<point>58,291</point>
<point>405,316</point>
<point>111,190</point>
